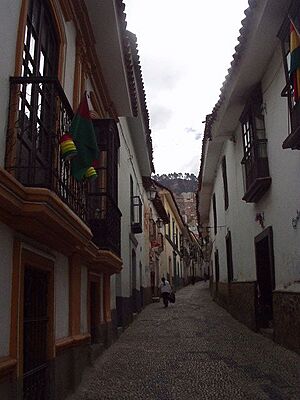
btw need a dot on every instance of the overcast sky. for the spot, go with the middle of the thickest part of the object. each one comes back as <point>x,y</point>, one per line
<point>185,49</point>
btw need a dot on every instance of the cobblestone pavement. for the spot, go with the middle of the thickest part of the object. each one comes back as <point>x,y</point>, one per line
<point>193,349</point>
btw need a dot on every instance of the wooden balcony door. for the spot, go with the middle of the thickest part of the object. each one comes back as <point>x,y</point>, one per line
<point>37,108</point>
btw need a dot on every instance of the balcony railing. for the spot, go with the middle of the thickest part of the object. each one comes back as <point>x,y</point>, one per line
<point>136,211</point>
<point>256,171</point>
<point>39,113</point>
<point>105,222</point>
<point>293,140</point>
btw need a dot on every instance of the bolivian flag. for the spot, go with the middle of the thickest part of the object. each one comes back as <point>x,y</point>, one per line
<point>295,62</point>
<point>83,134</point>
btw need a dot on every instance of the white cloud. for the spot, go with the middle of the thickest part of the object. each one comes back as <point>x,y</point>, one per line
<point>185,50</point>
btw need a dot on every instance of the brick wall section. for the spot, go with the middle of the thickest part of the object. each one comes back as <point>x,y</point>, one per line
<point>286,309</point>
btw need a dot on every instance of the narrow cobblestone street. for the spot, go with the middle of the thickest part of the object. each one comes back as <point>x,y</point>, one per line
<point>192,350</point>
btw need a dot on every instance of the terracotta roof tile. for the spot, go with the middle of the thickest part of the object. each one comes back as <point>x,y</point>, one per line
<point>140,92</point>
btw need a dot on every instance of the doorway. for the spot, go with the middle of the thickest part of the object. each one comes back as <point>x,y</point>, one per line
<point>141,285</point>
<point>217,270</point>
<point>265,278</point>
<point>36,328</point>
<point>133,281</point>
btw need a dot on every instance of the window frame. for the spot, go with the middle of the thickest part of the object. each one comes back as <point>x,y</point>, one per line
<point>214,201</point>
<point>255,162</point>
<point>292,141</point>
<point>229,259</point>
<point>225,183</point>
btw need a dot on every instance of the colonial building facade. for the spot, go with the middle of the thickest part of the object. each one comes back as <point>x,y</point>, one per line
<point>178,245</point>
<point>62,241</point>
<point>248,200</point>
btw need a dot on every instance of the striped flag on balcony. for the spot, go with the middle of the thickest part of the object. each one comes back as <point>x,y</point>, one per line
<point>83,134</point>
<point>295,61</point>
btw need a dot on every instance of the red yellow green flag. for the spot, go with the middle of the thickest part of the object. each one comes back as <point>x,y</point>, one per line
<point>84,137</point>
<point>295,61</point>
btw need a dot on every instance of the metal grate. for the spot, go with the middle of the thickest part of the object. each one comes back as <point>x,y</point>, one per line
<point>36,382</point>
<point>39,115</point>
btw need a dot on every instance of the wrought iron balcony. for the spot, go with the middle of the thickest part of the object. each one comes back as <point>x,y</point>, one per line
<point>105,222</point>
<point>39,112</point>
<point>293,140</point>
<point>256,171</point>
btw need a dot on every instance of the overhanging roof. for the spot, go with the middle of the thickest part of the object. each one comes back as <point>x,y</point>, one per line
<point>108,22</point>
<point>257,42</point>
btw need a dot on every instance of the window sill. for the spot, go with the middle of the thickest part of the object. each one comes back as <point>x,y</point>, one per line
<point>257,189</point>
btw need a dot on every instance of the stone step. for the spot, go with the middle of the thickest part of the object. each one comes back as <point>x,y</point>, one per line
<point>267,332</point>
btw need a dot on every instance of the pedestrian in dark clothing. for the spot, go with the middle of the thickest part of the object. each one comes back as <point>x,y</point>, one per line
<point>165,290</point>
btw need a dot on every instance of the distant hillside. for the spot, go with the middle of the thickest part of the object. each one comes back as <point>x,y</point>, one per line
<point>178,182</point>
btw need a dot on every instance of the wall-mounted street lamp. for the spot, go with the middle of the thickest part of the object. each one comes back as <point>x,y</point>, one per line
<point>151,193</point>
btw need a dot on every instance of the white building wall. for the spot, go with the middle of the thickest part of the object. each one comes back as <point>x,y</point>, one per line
<point>128,166</point>
<point>279,204</point>
<point>6,254</point>
<point>283,198</point>
<point>61,284</point>
<point>9,21</point>
<point>83,310</point>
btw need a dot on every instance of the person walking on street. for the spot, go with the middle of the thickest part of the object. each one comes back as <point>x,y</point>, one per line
<point>165,290</point>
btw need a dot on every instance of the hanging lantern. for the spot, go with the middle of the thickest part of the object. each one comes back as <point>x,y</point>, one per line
<point>90,174</point>
<point>67,147</point>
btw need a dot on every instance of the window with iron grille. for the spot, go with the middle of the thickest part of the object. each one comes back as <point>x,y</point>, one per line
<point>215,213</point>
<point>37,102</point>
<point>135,210</point>
<point>225,183</point>
<point>168,226</point>
<point>289,35</point>
<point>229,256</point>
<point>104,214</point>
<point>255,161</point>
<point>173,230</point>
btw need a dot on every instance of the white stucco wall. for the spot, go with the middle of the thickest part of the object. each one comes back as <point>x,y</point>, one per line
<point>128,166</point>
<point>83,310</point>
<point>61,284</point>
<point>283,201</point>
<point>112,293</point>
<point>9,21</point>
<point>279,204</point>
<point>6,253</point>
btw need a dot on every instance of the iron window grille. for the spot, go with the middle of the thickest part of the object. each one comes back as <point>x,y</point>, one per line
<point>229,256</point>
<point>103,211</point>
<point>215,213</point>
<point>39,113</point>
<point>136,223</point>
<point>225,183</point>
